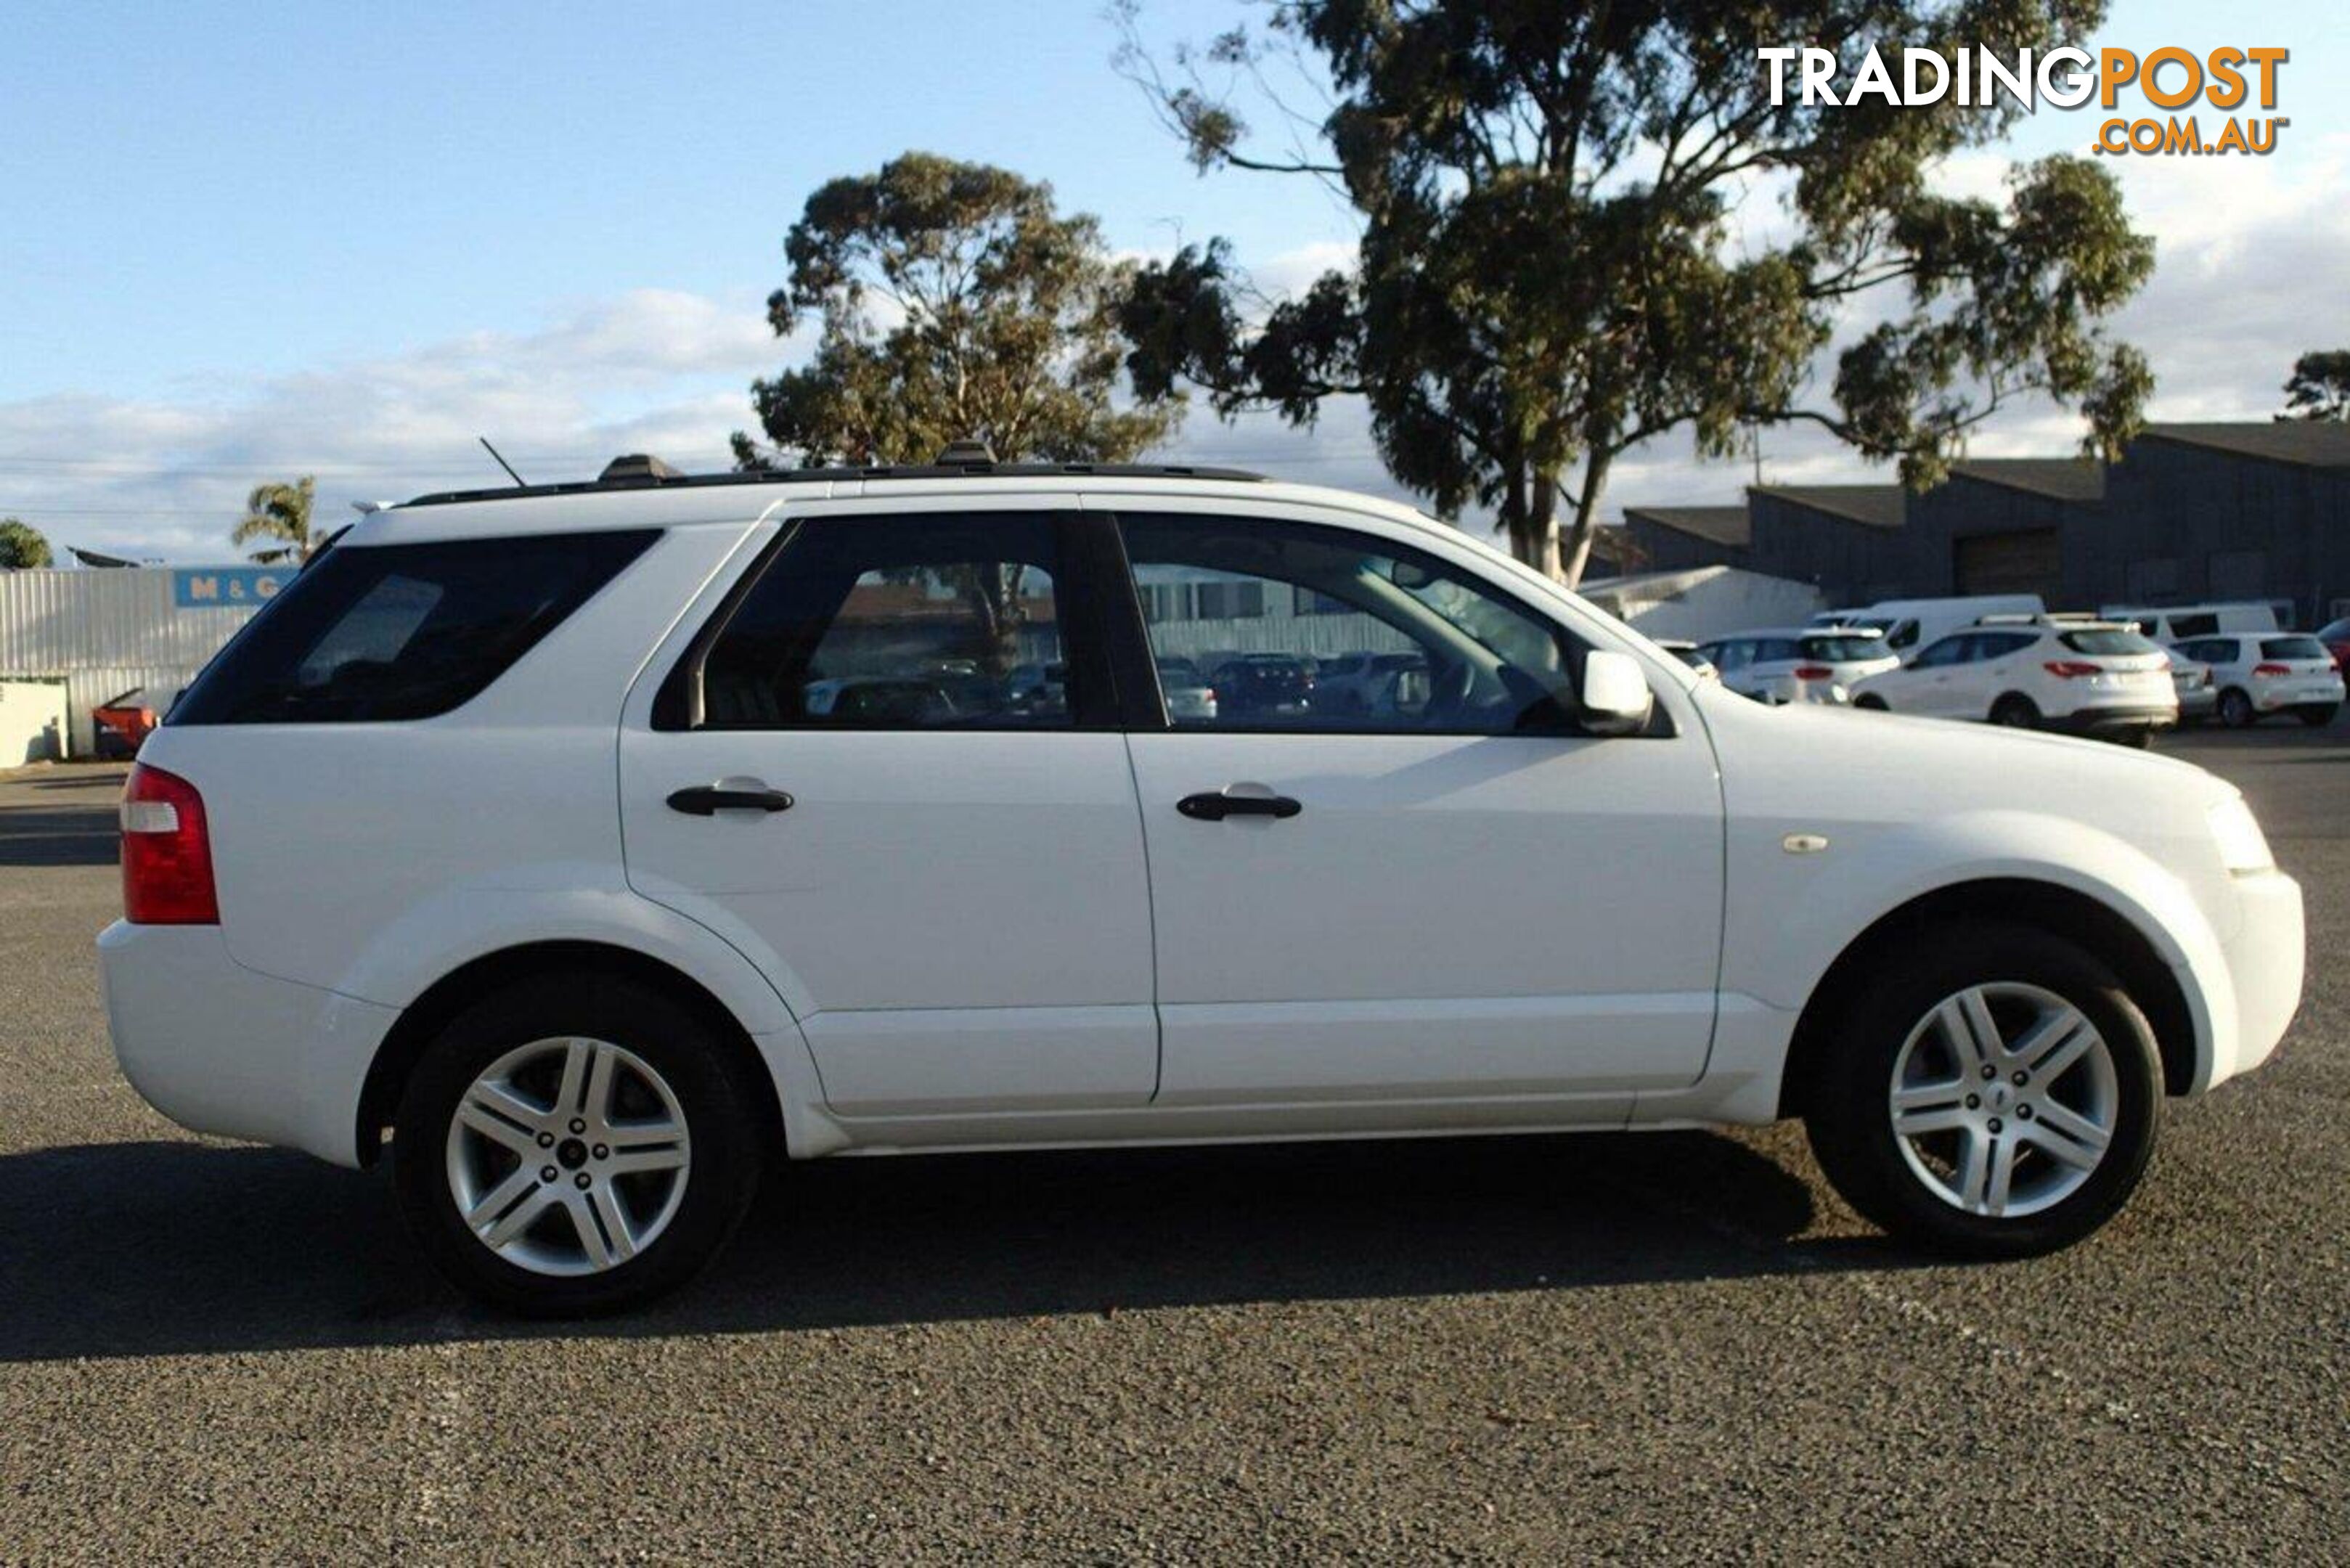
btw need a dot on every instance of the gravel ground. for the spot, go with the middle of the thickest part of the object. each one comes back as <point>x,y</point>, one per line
<point>1678,1345</point>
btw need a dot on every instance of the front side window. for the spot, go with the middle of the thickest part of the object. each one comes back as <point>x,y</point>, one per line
<point>1425,647</point>
<point>913,622</point>
<point>382,632</point>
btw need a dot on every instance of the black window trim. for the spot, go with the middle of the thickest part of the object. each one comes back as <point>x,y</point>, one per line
<point>1086,633</point>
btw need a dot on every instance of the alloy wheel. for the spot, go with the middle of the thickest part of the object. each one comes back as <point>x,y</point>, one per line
<point>2004,1099</point>
<point>568,1156</point>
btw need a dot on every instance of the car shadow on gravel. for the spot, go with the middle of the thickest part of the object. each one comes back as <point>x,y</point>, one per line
<point>160,1248</point>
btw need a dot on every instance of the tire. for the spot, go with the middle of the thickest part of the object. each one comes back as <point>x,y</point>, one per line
<point>2137,737</point>
<point>1892,1033</point>
<point>662,1068</point>
<point>2236,710</point>
<point>1871,701</point>
<point>2015,711</point>
<point>2317,715</point>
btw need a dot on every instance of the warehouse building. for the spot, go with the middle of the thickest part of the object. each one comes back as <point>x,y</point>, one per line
<point>2192,512</point>
<point>106,634</point>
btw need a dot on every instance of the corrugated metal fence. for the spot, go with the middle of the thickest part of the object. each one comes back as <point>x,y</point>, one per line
<point>107,632</point>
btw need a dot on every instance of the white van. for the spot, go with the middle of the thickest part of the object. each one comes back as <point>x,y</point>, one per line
<point>1908,624</point>
<point>2173,623</point>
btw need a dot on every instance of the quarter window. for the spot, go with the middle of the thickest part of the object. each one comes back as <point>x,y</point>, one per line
<point>382,632</point>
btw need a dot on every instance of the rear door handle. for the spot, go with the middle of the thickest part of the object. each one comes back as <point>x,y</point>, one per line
<point>1216,805</point>
<point>704,799</point>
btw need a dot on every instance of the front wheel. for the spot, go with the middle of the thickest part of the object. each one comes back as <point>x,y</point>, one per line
<point>1993,1091</point>
<point>575,1144</point>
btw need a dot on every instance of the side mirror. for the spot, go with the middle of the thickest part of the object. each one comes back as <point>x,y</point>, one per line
<point>1615,699</point>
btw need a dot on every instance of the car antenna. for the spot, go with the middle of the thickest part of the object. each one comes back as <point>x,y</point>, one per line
<point>520,484</point>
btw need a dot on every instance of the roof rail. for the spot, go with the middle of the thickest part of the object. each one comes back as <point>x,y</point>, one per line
<point>639,471</point>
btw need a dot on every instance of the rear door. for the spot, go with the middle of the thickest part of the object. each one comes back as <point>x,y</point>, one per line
<point>1456,896</point>
<point>936,859</point>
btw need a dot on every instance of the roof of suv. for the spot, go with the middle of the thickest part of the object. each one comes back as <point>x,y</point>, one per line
<point>650,501</point>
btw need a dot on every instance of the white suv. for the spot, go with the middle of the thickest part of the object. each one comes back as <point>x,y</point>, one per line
<point>2087,677</point>
<point>514,836</point>
<point>2273,673</point>
<point>1799,664</point>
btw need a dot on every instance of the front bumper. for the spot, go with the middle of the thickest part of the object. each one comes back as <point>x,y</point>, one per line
<point>2265,959</point>
<point>221,1048</point>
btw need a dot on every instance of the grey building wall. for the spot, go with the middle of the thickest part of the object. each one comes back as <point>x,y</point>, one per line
<point>2185,523</point>
<point>1849,562</point>
<point>1664,549</point>
<point>1964,507</point>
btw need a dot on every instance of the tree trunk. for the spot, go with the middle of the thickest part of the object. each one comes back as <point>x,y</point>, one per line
<point>1576,554</point>
<point>1542,532</point>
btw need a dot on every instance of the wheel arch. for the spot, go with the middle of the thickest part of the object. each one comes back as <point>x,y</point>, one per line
<point>422,1020</point>
<point>2108,934</point>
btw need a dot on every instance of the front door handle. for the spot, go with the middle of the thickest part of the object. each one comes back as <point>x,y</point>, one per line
<point>1216,805</point>
<point>704,799</point>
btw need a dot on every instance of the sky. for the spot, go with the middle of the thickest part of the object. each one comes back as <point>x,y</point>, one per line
<point>244,242</point>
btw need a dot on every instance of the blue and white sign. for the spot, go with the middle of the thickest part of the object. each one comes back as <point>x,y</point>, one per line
<point>227,588</point>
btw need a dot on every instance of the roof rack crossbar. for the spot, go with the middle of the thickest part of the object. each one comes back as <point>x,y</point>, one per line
<point>638,471</point>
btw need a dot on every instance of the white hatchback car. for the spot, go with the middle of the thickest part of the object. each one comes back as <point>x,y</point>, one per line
<point>2085,677</point>
<point>508,838</point>
<point>2257,675</point>
<point>1799,664</point>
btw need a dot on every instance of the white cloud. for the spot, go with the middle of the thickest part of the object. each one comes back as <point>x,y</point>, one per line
<point>653,369</point>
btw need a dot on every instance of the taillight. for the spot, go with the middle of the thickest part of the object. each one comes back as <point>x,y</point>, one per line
<point>2270,669</point>
<point>167,852</point>
<point>2071,669</point>
<point>1813,672</point>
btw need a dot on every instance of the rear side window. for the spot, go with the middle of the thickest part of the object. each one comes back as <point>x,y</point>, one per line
<point>2293,647</point>
<point>372,633</point>
<point>2112,643</point>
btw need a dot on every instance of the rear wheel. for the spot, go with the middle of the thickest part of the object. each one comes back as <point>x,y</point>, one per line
<point>573,1146</point>
<point>1992,1092</point>
<point>2016,711</point>
<point>2317,715</point>
<point>1871,701</point>
<point>2236,710</point>
<point>2137,736</point>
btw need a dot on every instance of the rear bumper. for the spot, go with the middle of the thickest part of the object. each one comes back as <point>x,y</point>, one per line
<point>220,1048</point>
<point>2311,691</point>
<point>2114,721</point>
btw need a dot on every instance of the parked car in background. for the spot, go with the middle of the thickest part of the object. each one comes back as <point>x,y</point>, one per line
<point>121,725</point>
<point>1908,625</point>
<point>2254,677</point>
<point>2192,682</point>
<point>1688,653</point>
<point>2176,623</point>
<point>1264,686</point>
<point>2335,636</point>
<point>1353,683</point>
<point>2055,673</point>
<point>560,904</point>
<point>1185,691</point>
<point>1798,664</point>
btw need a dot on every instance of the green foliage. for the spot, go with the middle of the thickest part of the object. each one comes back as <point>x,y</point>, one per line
<point>22,546</point>
<point>279,513</point>
<point>954,302</point>
<point>2320,386</point>
<point>1553,266</point>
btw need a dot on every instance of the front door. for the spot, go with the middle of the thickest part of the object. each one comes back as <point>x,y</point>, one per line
<point>889,773</point>
<point>1443,892</point>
